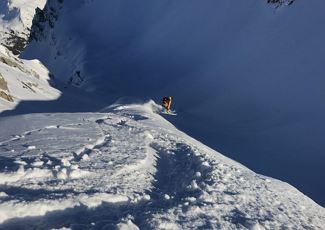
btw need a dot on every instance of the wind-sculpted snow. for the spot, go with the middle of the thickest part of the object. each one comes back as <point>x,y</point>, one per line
<point>129,168</point>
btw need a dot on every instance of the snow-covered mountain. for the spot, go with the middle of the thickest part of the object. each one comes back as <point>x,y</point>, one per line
<point>15,22</point>
<point>129,168</point>
<point>250,72</point>
<point>23,80</point>
<point>20,79</point>
<point>246,78</point>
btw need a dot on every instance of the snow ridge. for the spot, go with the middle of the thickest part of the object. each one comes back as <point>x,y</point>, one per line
<point>129,168</point>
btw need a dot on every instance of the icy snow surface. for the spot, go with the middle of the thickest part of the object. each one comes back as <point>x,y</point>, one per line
<point>128,168</point>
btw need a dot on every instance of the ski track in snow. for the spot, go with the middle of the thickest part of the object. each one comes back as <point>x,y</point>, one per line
<point>130,168</point>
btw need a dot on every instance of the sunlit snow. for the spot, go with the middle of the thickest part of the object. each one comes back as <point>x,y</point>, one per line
<point>140,171</point>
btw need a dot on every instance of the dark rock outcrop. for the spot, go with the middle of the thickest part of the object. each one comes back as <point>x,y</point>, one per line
<point>6,96</point>
<point>4,90</point>
<point>3,83</point>
<point>45,19</point>
<point>278,3</point>
<point>15,43</point>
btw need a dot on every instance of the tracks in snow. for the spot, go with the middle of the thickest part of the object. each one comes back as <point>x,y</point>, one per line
<point>179,172</point>
<point>144,171</point>
<point>179,175</point>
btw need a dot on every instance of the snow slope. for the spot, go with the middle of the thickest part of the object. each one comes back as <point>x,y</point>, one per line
<point>129,168</point>
<point>248,79</point>
<point>23,80</point>
<point>16,18</point>
<point>20,79</point>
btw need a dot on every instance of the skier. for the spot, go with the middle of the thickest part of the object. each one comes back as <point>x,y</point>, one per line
<point>167,102</point>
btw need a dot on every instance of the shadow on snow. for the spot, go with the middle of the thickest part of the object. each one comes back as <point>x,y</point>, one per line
<point>175,171</point>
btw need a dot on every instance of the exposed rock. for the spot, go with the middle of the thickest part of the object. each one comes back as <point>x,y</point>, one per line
<point>10,63</point>
<point>3,83</point>
<point>28,85</point>
<point>278,3</point>
<point>6,96</point>
<point>76,79</point>
<point>44,19</point>
<point>3,88</point>
<point>15,63</point>
<point>15,43</point>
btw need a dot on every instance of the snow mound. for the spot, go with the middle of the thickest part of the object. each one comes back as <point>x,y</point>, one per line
<point>140,172</point>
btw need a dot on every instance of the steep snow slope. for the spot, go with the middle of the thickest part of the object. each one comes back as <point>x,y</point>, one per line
<point>16,18</point>
<point>130,168</point>
<point>22,80</point>
<point>247,79</point>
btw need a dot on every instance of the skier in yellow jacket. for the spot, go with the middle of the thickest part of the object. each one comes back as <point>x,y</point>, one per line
<point>167,102</point>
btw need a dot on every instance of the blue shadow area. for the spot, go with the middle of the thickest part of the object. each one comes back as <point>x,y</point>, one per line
<point>7,14</point>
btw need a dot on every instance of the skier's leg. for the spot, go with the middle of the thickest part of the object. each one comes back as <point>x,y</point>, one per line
<point>168,106</point>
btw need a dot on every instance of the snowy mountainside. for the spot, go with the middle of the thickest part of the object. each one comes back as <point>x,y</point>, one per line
<point>20,79</point>
<point>256,67</point>
<point>23,80</point>
<point>61,51</point>
<point>128,168</point>
<point>73,31</point>
<point>16,18</point>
